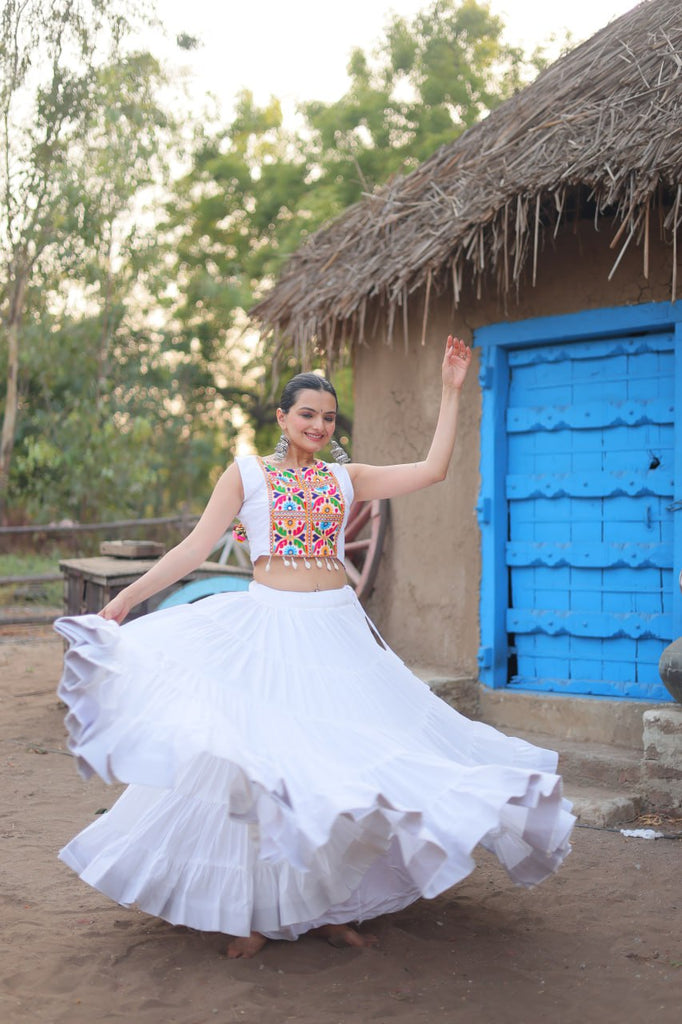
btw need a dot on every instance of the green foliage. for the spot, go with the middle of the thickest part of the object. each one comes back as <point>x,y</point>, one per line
<point>139,441</point>
<point>124,295</point>
<point>256,189</point>
<point>431,78</point>
<point>114,418</point>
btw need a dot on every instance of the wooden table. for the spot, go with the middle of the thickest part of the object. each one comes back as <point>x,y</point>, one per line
<point>89,583</point>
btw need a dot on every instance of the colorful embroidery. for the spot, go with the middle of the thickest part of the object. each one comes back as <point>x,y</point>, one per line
<point>306,510</point>
<point>239,532</point>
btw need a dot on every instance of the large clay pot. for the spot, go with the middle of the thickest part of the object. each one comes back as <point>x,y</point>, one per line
<point>670,669</point>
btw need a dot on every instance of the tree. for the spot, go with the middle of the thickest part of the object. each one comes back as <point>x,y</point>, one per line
<point>79,132</point>
<point>257,188</point>
<point>430,79</point>
<point>129,328</point>
<point>140,442</point>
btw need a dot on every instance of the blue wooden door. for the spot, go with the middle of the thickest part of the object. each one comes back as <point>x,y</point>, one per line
<point>590,448</point>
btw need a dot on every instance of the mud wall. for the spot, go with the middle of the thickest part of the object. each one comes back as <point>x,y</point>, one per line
<point>426,596</point>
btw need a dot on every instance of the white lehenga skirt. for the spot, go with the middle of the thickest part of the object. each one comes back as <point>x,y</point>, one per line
<point>286,770</point>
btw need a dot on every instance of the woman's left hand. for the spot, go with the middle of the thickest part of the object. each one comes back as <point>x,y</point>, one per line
<point>456,362</point>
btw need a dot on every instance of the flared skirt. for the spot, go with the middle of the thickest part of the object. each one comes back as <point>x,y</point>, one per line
<point>285,769</point>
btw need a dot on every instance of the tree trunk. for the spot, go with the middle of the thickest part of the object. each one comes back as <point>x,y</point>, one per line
<point>9,423</point>
<point>107,325</point>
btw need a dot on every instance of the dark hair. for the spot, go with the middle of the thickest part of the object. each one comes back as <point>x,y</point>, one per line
<point>304,382</point>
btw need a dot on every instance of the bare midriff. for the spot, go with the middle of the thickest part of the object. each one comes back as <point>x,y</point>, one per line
<point>285,577</point>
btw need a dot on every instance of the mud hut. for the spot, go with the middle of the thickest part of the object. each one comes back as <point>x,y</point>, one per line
<point>547,235</point>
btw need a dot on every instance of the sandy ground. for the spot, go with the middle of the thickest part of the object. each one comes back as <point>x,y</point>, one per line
<point>601,941</point>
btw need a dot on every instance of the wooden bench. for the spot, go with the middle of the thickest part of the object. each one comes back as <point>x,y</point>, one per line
<point>89,583</point>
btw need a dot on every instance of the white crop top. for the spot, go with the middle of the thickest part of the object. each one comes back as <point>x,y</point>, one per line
<point>294,513</point>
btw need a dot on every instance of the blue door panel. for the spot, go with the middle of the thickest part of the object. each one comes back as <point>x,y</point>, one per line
<point>581,500</point>
<point>586,589</point>
<point>622,347</point>
<point>588,485</point>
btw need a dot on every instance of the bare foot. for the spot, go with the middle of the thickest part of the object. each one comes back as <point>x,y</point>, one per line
<point>245,947</point>
<point>343,935</point>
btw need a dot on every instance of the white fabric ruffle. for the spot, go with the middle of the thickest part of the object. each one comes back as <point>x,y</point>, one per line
<point>285,770</point>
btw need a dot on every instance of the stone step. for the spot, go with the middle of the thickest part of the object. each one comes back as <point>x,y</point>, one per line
<point>588,764</point>
<point>603,782</point>
<point>602,807</point>
<point>583,719</point>
<point>612,769</point>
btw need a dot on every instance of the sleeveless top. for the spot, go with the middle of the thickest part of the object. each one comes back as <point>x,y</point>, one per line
<point>294,513</point>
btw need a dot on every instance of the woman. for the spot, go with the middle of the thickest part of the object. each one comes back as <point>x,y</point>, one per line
<point>287,772</point>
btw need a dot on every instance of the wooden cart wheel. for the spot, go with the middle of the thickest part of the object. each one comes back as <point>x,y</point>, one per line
<point>365,531</point>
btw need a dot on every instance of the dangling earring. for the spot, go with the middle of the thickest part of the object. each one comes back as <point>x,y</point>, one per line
<point>338,453</point>
<point>281,449</point>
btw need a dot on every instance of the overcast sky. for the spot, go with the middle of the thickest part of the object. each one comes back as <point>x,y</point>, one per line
<point>298,49</point>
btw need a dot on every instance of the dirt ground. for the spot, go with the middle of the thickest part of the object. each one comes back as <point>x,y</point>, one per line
<point>599,942</point>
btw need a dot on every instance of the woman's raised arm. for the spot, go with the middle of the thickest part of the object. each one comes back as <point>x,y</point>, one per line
<point>390,481</point>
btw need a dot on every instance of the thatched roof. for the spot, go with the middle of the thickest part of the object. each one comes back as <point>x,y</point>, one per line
<point>602,126</point>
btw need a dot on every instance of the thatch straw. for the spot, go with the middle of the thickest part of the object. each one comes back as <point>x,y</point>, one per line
<point>600,131</point>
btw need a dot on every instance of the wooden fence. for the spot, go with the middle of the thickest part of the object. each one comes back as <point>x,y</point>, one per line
<point>185,522</point>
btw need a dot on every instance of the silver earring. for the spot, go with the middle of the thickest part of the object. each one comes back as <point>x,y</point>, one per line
<point>281,449</point>
<point>338,453</point>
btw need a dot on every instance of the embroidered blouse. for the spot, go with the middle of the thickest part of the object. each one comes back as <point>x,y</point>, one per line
<point>295,513</point>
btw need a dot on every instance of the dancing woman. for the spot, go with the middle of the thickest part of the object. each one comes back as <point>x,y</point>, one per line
<point>286,772</point>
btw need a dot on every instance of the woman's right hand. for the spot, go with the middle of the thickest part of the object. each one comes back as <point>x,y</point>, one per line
<point>118,608</point>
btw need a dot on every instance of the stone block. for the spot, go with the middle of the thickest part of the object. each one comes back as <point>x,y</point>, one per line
<point>662,761</point>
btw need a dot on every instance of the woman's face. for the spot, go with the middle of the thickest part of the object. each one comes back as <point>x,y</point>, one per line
<point>311,420</point>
